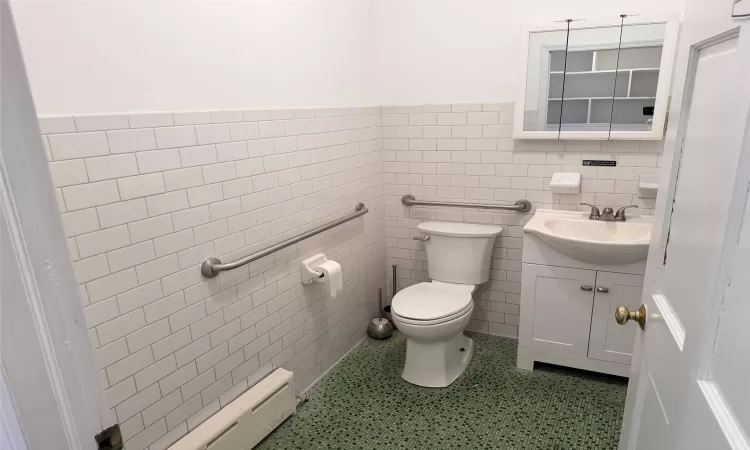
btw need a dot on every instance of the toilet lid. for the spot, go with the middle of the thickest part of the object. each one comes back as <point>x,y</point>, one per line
<point>430,301</point>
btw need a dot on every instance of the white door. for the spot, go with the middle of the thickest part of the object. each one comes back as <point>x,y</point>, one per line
<point>49,388</point>
<point>690,364</point>
<point>609,341</point>
<point>556,308</point>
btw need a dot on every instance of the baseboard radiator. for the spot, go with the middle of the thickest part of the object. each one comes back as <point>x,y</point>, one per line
<point>242,424</point>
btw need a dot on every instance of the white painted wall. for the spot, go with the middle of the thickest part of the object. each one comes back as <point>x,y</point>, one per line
<point>466,51</point>
<point>113,56</point>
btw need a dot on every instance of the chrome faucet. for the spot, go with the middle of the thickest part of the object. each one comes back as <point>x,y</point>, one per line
<point>620,214</point>
<point>595,214</point>
<point>608,214</point>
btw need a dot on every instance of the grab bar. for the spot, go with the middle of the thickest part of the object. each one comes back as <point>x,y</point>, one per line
<point>522,205</point>
<point>212,266</point>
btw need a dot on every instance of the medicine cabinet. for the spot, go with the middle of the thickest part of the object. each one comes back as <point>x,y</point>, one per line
<point>596,80</point>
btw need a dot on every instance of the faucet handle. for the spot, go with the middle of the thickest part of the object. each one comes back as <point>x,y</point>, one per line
<point>594,211</point>
<point>620,214</point>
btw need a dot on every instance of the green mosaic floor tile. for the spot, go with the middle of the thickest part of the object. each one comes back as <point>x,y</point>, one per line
<point>364,404</point>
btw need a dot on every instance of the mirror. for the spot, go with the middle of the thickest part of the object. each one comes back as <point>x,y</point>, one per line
<point>595,78</point>
<point>637,66</point>
<point>546,55</point>
<point>589,85</point>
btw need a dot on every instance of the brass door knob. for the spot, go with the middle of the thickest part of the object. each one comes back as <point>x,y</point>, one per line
<point>623,315</point>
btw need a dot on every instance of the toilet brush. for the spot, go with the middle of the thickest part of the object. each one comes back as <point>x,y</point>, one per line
<point>380,328</point>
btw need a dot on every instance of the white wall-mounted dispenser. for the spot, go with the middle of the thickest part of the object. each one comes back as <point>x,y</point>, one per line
<point>648,184</point>
<point>320,269</point>
<point>565,183</point>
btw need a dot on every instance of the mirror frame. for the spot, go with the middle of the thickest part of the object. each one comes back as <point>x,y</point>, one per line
<point>662,92</point>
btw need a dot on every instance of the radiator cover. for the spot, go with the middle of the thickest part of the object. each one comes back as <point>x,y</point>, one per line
<point>242,424</point>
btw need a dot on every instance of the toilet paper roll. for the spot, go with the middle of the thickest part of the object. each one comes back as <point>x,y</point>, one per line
<point>332,272</point>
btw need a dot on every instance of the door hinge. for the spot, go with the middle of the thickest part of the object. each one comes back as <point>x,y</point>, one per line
<point>110,439</point>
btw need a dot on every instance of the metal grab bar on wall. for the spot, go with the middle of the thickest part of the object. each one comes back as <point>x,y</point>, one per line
<point>522,205</point>
<point>212,266</point>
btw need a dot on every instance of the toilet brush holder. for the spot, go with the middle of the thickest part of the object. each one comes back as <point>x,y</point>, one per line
<point>388,316</point>
<point>386,310</point>
<point>380,328</point>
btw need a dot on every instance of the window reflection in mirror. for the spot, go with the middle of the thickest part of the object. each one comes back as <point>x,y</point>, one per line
<point>593,79</point>
<point>589,86</point>
<point>637,75</point>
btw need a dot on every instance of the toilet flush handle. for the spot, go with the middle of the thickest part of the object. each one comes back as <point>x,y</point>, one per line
<point>421,238</point>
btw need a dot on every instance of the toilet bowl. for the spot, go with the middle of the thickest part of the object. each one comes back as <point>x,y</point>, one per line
<point>433,315</point>
<point>437,351</point>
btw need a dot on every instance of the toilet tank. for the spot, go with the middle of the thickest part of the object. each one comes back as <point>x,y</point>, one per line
<point>459,252</point>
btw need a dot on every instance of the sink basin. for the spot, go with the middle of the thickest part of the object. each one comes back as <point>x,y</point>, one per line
<point>574,235</point>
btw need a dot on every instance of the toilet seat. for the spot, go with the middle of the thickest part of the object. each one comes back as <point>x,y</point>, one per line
<point>432,303</point>
<point>426,323</point>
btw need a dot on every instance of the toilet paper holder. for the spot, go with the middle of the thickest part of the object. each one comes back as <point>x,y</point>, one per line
<point>306,270</point>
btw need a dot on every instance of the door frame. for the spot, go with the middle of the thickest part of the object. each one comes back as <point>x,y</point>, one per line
<point>682,88</point>
<point>41,289</point>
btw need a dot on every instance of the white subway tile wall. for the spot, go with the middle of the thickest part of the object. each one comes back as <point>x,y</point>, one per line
<point>145,198</point>
<point>464,152</point>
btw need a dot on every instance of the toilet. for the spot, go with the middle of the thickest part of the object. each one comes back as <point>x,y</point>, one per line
<point>433,315</point>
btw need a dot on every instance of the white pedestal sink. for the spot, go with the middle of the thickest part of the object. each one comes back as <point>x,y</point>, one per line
<point>574,235</point>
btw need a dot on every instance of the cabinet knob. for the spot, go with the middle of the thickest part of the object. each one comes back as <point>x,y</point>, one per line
<point>623,315</point>
<point>586,287</point>
<point>603,290</point>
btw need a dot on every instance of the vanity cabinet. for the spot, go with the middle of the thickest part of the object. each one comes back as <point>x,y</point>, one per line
<point>567,318</point>
<point>610,341</point>
<point>556,308</point>
<point>596,80</point>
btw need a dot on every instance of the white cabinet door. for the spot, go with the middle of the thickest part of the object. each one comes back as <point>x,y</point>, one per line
<point>610,341</point>
<point>556,307</point>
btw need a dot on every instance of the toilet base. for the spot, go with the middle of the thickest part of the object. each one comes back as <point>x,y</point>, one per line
<point>437,363</point>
